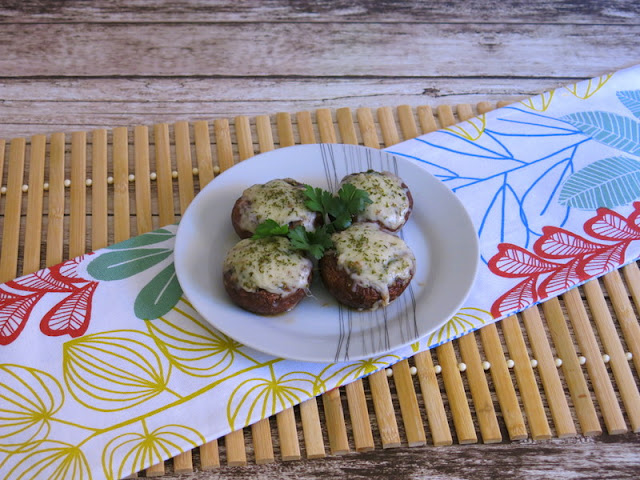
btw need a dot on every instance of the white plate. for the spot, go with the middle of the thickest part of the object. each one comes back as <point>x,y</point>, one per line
<point>439,232</point>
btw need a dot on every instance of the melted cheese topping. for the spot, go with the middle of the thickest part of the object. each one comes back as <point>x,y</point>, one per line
<point>373,258</point>
<point>277,200</point>
<point>390,203</point>
<point>271,264</point>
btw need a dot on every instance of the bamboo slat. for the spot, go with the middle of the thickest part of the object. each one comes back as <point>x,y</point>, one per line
<point>121,209</point>
<point>312,429</point>
<point>144,221</point>
<point>163,171</point>
<point>33,233</point>
<point>184,163</point>
<point>78,204</point>
<point>55,217</point>
<point>99,194</point>
<point>336,427</point>
<point>13,207</point>
<point>383,407</point>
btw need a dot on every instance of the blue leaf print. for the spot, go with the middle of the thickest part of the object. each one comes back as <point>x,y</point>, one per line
<point>503,219</point>
<point>608,128</point>
<point>631,100</point>
<point>540,200</point>
<point>609,182</point>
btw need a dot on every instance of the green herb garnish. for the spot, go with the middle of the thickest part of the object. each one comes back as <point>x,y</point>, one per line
<point>313,242</point>
<point>353,199</point>
<point>337,213</point>
<point>270,228</point>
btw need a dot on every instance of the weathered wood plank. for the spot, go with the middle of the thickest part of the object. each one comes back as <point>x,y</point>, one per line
<point>321,49</point>
<point>601,458</point>
<point>58,104</point>
<point>546,11</point>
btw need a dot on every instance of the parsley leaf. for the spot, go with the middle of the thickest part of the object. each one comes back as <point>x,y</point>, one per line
<point>354,199</point>
<point>313,242</point>
<point>270,228</point>
<point>336,210</point>
<point>318,200</point>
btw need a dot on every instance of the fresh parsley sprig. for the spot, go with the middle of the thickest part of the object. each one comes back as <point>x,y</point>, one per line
<point>313,242</point>
<point>270,228</point>
<point>337,213</point>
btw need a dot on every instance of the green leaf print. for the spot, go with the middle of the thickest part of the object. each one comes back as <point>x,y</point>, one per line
<point>125,263</point>
<point>150,238</point>
<point>159,296</point>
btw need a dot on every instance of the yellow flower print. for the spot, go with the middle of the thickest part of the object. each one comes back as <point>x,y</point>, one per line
<point>114,370</point>
<point>52,460</point>
<point>28,400</point>
<point>584,90</point>
<point>191,345</point>
<point>261,397</point>
<point>539,103</point>
<point>465,320</point>
<point>132,451</point>
<point>472,129</point>
<point>352,370</point>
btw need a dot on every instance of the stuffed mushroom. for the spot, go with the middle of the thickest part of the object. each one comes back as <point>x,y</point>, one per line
<point>368,267</point>
<point>281,200</point>
<point>391,200</point>
<point>266,276</point>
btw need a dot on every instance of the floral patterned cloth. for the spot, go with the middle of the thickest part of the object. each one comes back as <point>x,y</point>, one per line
<point>91,389</point>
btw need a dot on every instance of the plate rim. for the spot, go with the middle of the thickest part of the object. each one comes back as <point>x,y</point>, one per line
<point>181,239</point>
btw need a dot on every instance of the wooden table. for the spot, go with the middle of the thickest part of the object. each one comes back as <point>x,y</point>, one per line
<point>78,65</point>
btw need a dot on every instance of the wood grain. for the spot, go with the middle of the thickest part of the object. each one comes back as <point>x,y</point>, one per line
<point>459,11</point>
<point>574,458</point>
<point>70,50</point>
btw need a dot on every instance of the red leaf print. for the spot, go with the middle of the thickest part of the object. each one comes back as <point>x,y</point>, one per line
<point>71,315</point>
<point>634,218</point>
<point>514,261</point>
<point>562,279</point>
<point>604,261</point>
<point>14,314</point>
<point>519,297</point>
<point>40,281</point>
<point>67,272</point>
<point>559,243</point>
<point>609,225</point>
<point>4,296</point>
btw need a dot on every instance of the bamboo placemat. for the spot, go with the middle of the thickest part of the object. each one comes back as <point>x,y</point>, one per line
<point>567,367</point>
